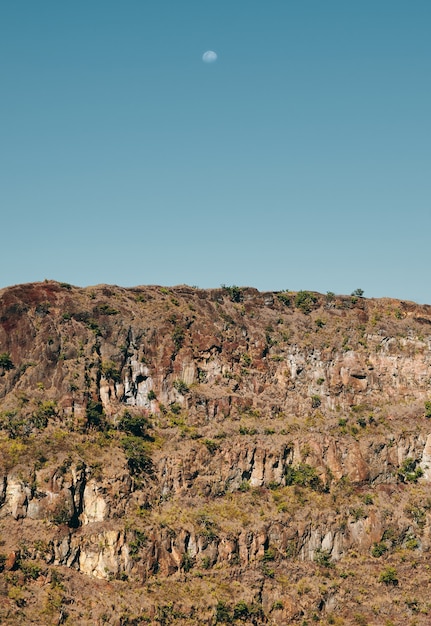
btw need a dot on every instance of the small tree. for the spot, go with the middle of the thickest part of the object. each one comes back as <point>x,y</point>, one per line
<point>358,293</point>
<point>5,361</point>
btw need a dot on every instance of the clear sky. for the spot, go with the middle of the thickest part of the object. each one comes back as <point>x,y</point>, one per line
<point>300,159</point>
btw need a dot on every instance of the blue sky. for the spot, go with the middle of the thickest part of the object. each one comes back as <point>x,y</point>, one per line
<point>299,160</point>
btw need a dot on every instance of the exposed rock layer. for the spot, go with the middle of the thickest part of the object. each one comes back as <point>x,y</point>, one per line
<point>267,434</point>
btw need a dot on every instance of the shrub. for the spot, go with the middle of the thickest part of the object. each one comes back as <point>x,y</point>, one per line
<point>44,411</point>
<point>409,471</point>
<point>30,570</point>
<point>268,571</point>
<point>175,408</point>
<point>305,301</point>
<point>178,337</point>
<point>235,293</point>
<point>379,549</point>
<point>244,611</point>
<point>323,558</point>
<point>428,409</point>
<point>268,555</point>
<point>315,402</point>
<point>358,513</point>
<point>206,562</point>
<point>14,424</point>
<point>412,543</point>
<point>187,562</point>
<point>110,371</point>
<point>358,293</point>
<point>136,425</point>
<point>62,513</point>
<point>211,445</point>
<point>303,475</point>
<point>95,415</point>
<point>137,542</point>
<point>246,359</point>
<point>417,513</point>
<point>106,309</point>
<point>151,395</point>
<point>222,613</point>
<point>389,576</point>
<point>136,453</point>
<point>284,298</point>
<point>6,361</point>
<point>181,387</point>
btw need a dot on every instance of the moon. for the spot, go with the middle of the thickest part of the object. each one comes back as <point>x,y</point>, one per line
<point>209,56</point>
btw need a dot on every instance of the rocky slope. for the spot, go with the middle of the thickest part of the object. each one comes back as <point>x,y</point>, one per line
<point>176,455</point>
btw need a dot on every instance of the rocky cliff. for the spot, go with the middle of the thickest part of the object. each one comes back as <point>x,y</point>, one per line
<point>177,455</point>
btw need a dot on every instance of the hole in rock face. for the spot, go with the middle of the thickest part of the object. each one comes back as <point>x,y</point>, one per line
<point>140,379</point>
<point>359,376</point>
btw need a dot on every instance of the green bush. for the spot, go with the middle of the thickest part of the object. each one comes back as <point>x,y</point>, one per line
<point>136,425</point>
<point>235,293</point>
<point>181,387</point>
<point>178,336</point>
<point>211,445</point>
<point>323,558</point>
<point>428,409</point>
<point>138,541</point>
<point>315,402</point>
<point>389,576</point>
<point>412,543</point>
<point>151,395</point>
<point>95,415</point>
<point>30,570</point>
<point>305,301</point>
<point>269,555</point>
<point>303,475</point>
<point>187,562</point>
<point>379,549</point>
<point>62,513</point>
<point>222,613</point>
<point>106,309</point>
<point>111,371</point>
<point>244,611</point>
<point>138,459</point>
<point>410,471</point>
<point>42,414</point>
<point>284,298</point>
<point>6,361</point>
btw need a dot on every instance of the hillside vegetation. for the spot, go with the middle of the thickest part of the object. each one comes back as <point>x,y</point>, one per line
<point>226,456</point>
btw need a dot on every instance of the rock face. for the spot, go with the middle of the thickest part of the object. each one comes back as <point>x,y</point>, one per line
<point>185,437</point>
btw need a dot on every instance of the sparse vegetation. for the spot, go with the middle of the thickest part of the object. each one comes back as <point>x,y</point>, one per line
<point>305,301</point>
<point>275,430</point>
